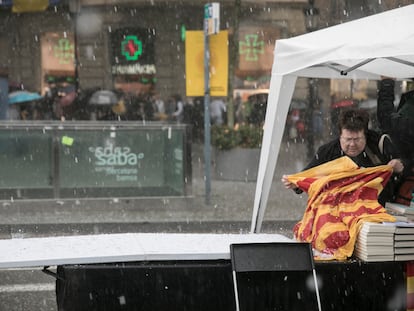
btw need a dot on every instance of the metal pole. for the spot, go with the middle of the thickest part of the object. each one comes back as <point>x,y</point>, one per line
<point>4,96</point>
<point>74,8</point>
<point>309,121</point>
<point>207,145</point>
<point>311,24</point>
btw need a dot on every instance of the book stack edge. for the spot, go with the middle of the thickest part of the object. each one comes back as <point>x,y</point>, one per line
<point>375,242</point>
<point>404,241</point>
<point>400,211</point>
<point>388,241</point>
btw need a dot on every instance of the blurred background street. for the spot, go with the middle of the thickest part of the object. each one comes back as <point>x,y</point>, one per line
<point>230,208</point>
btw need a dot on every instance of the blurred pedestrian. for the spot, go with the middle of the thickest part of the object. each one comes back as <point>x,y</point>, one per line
<point>178,114</point>
<point>159,107</point>
<point>159,104</point>
<point>237,109</point>
<point>13,112</point>
<point>217,111</point>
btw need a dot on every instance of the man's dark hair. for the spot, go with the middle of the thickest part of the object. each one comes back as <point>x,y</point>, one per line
<point>353,120</point>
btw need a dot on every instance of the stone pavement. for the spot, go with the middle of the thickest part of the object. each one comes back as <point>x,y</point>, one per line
<point>234,199</point>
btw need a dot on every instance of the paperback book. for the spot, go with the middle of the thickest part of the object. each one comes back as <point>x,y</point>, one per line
<point>403,240</point>
<point>404,250</point>
<point>402,212</point>
<point>403,257</point>
<point>375,242</point>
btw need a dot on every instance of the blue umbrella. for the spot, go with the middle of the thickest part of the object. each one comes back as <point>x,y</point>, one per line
<point>22,97</point>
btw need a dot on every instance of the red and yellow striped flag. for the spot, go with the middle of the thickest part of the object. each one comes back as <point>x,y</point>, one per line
<point>341,197</point>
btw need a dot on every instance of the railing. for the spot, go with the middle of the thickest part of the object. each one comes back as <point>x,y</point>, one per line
<point>50,160</point>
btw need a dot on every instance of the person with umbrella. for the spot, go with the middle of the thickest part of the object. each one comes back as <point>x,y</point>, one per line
<point>101,104</point>
<point>16,100</point>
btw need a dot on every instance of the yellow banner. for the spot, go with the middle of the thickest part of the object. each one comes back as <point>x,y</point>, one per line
<point>22,6</point>
<point>194,63</point>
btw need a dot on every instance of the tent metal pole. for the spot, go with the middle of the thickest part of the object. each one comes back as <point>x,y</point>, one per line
<point>401,61</point>
<point>345,72</point>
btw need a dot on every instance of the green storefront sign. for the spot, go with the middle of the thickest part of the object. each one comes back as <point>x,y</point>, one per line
<point>94,162</point>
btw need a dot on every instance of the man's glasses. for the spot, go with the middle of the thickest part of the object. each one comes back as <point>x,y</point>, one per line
<point>355,140</point>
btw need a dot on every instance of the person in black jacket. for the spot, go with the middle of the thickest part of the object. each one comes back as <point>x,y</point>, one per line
<point>398,121</point>
<point>361,145</point>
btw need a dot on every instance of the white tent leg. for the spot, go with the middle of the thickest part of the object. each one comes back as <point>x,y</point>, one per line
<point>280,96</point>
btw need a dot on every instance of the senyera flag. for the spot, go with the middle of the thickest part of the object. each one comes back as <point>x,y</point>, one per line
<point>25,6</point>
<point>341,197</point>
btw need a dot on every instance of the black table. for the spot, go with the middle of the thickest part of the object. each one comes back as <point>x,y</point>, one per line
<point>208,285</point>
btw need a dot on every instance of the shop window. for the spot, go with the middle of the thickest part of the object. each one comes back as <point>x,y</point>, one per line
<point>58,58</point>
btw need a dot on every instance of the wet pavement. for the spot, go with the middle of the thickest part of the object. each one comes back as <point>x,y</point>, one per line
<point>229,211</point>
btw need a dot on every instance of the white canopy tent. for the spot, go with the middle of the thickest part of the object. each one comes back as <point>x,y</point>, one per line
<point>367,48</point>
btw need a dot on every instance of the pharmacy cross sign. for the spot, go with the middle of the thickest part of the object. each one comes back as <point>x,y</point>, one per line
<point>251,47</point>
<point>131,47</point>
<point>64,51</point>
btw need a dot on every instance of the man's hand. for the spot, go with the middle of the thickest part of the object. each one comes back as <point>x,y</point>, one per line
<point>287,183</point>
<point>397,165</point>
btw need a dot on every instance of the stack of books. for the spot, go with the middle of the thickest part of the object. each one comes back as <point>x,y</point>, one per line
<point>375,242</point>
<point>400,212</point>
<point>404,241</point>
<point>390,241</point>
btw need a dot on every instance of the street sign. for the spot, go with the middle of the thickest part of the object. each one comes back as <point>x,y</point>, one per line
<point>212,18</point>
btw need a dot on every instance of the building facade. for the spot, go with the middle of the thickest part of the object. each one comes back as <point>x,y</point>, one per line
<point>84,45</point>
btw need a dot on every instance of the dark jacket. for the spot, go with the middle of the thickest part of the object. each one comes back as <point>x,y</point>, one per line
<point>332,150</point>
<point>371,156</point>
<point>398,123</point>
